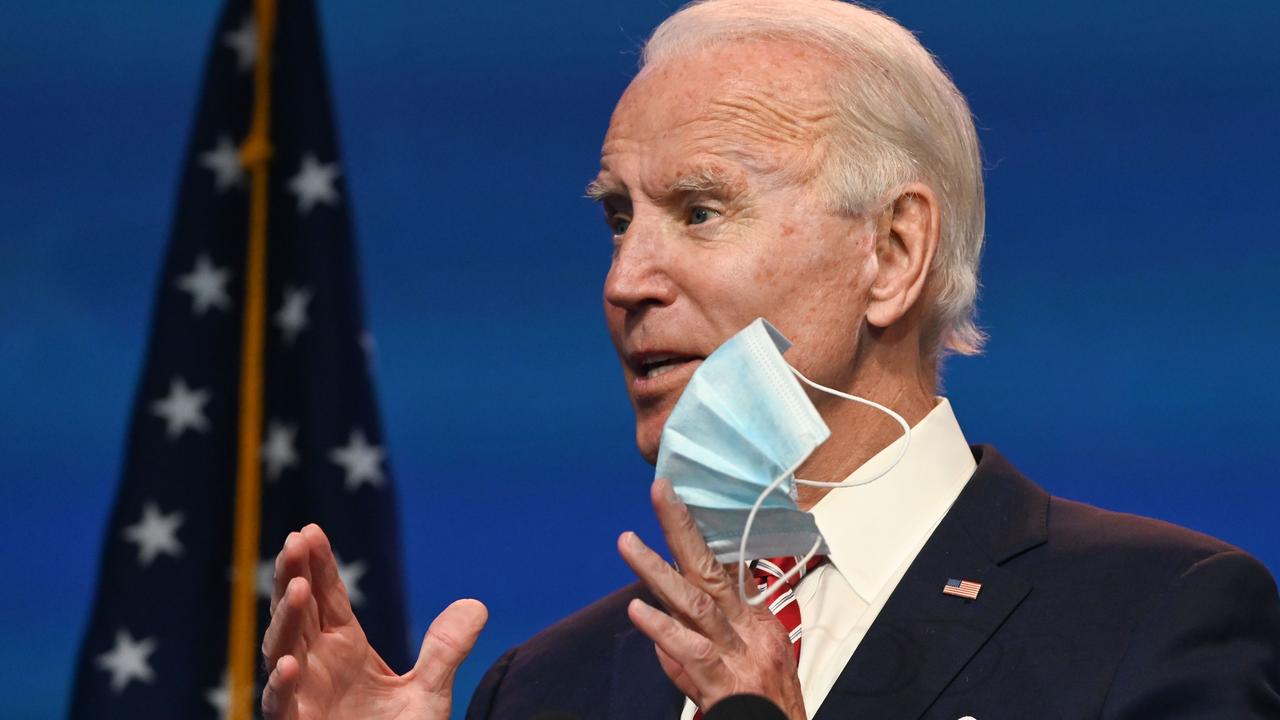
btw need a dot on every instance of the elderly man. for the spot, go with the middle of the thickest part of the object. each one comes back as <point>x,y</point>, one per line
<point>808,162</point>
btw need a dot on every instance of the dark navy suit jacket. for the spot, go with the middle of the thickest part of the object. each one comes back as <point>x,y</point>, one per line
<point>1083,613</point>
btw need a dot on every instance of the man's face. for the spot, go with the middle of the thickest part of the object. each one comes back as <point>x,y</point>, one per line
<point>708,182</point>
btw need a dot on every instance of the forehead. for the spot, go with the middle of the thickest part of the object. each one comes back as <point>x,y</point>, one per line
<point>761,104</point>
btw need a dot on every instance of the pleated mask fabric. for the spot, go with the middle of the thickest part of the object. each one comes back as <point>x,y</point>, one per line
<point>742,424</point>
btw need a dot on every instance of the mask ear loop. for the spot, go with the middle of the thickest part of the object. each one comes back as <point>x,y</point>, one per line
<point>777,483</point>
<point>746,533</point>
<point>902,451</point>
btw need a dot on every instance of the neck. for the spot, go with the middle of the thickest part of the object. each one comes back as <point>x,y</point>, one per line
<point>858,432</point>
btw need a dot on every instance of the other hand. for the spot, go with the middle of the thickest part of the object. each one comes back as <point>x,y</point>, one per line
<point>709,642</point>
<point>321,663</point>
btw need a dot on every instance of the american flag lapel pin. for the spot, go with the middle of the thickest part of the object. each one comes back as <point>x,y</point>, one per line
<point>967,589</point>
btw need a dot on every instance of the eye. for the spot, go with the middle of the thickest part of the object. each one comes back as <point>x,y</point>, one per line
<point>619,225</point>
<point>700,215</point>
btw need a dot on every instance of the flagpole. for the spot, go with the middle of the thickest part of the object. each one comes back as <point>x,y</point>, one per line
<point>255,155</point>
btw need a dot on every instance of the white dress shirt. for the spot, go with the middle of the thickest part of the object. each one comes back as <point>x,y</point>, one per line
<point>873,532</point>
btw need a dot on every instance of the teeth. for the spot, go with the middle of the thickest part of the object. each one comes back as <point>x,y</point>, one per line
<point>661,369</point>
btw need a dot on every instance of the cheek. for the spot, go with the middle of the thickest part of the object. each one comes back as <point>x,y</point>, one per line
<point>799,278</point>
<point>765,275</point>
<point>817,285</point>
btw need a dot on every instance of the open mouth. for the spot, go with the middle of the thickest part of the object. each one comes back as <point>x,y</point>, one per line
<point>659,365</point>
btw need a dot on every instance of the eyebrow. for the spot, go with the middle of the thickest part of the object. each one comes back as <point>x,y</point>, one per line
<point>599,190</point>
<point>705,179</point>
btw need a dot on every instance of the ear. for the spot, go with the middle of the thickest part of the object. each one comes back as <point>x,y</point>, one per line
<point>906,240</point>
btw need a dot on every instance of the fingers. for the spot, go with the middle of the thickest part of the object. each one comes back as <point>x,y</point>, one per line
<point>682,599</point>
<point>689,549</point>
<point>451,636</point>
<point>294,626</point>
<point>292,561</point>
<point>279,697</point>
<point>751,588</point>
<point>675,671</point>
<point>326,584</point>
<point>699,658</point>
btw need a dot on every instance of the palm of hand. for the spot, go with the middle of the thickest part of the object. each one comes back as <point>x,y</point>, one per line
<point>345,678</point>
<point>323,667</point>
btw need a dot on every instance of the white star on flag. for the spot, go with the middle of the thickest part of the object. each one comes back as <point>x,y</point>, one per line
<point>244,41</point>
<point>279,452</point>
<point>360,460</point>
<point>266,577</point>
<point>224,161</point>
<point>207,284</point>
<point>127,661</point>
<point>155,533</point>
<point>314,183</point>
<point>220,697</point>
<point>351,574</point>
<point>292,315</point>
<point>182,408</point>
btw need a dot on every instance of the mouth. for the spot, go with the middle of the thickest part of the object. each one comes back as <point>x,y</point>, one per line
<point>658,372</point>
<point>658,365</point>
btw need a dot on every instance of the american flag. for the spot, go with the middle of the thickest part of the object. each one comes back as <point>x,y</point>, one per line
<point>966,589</point>
<point>156,643</point>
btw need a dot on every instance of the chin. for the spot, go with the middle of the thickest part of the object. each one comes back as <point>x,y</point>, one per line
<point>650,455</point>
<point>648,435</point>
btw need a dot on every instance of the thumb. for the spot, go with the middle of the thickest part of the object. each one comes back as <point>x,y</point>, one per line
<point>451,636</point>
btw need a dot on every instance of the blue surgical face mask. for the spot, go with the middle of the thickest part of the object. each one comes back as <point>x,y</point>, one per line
<point>732,444</point>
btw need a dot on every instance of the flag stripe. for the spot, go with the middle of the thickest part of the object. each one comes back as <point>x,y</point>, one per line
<point>967,589</point>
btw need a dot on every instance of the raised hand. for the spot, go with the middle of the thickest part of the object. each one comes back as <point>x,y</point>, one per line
<point>711,644</point>
<point>322,665</point>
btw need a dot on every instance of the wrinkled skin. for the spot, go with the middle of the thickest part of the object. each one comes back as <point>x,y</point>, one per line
<point>322,665</point>
<point>708,180</point>
<point>709,184</point>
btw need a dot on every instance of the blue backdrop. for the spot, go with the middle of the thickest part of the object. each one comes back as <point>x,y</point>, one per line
<point>1129,278</point>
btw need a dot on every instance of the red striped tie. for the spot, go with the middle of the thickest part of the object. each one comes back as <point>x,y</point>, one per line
<point>768,573</point>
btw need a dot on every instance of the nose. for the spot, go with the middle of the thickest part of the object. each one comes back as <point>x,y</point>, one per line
<point>639,276</point>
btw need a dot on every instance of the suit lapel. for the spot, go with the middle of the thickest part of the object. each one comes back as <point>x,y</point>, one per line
<point>922,639</point>
<point>640,690</point>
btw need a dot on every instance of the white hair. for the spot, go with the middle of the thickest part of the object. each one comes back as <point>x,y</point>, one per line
<point>899,119</point>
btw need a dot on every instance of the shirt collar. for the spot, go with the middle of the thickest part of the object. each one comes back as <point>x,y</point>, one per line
<point>871,529</point>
